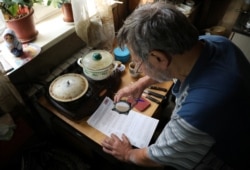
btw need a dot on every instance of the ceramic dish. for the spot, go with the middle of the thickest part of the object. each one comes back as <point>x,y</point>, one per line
<point>121,67</point>
<point>68,87</point>
<point>98,64</point>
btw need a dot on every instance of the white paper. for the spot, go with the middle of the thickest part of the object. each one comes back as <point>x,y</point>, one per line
<point>137,127</point>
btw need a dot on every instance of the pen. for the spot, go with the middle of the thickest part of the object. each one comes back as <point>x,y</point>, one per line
<point>155,94</point>
<point>153,99</point>
<point>139,100</point>
<point>9,70</point>
<point>158,88</point>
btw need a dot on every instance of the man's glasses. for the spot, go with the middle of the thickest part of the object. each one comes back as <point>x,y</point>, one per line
<point>137,66</point>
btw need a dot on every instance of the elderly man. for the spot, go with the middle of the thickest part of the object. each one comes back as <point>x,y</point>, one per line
<point>210,124</point>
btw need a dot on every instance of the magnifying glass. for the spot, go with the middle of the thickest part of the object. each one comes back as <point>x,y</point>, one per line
<point>122,107</point>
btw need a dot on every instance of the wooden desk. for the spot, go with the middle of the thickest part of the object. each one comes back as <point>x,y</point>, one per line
<point>82,125</point>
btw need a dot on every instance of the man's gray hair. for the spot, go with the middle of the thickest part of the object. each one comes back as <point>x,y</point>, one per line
<point>157,26</point>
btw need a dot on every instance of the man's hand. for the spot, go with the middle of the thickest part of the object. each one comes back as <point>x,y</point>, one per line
<point>134,90</point>
<point>117,147</point>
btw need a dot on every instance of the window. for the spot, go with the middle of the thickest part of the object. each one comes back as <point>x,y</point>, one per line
<point>42,13</point>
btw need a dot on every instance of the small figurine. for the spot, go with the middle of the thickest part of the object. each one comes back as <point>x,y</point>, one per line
<point>12,43</point>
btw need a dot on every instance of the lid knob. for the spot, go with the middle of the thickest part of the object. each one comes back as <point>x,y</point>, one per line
<point>96,56</point>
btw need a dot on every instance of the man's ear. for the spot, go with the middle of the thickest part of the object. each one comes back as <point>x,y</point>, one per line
<point>159,58</point>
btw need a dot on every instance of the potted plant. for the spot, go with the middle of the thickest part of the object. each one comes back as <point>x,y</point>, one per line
<point>66,8</point>
<point>18,15</point>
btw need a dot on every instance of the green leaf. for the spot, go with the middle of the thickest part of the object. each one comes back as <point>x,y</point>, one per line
<point>13,9</point>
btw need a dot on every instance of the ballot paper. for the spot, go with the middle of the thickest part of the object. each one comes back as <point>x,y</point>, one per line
<point>138,127</point>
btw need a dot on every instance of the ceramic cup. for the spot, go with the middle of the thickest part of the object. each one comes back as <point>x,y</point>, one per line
<point>132,70</point>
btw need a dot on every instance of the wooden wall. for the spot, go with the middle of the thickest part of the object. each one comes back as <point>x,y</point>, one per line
<point>214,12</point>
<point>209,13</point>
<point>120,12</point>
<point>230,15</point>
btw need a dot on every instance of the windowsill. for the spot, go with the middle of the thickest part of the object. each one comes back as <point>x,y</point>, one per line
<point>52,31</point>
<point>58,30</point>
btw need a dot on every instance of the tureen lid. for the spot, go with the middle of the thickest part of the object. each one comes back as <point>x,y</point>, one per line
<point>68,87</point>
<point>97,60</point>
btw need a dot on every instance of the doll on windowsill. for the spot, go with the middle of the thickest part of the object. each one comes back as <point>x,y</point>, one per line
<point>12,43</point>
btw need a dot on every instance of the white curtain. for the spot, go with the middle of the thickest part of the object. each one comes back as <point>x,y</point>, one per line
<point>94,22</point>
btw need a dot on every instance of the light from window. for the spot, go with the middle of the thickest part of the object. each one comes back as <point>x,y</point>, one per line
<point>43,12</point>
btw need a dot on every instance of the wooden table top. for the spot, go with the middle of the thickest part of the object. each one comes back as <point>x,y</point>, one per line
<point>82,125</point>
